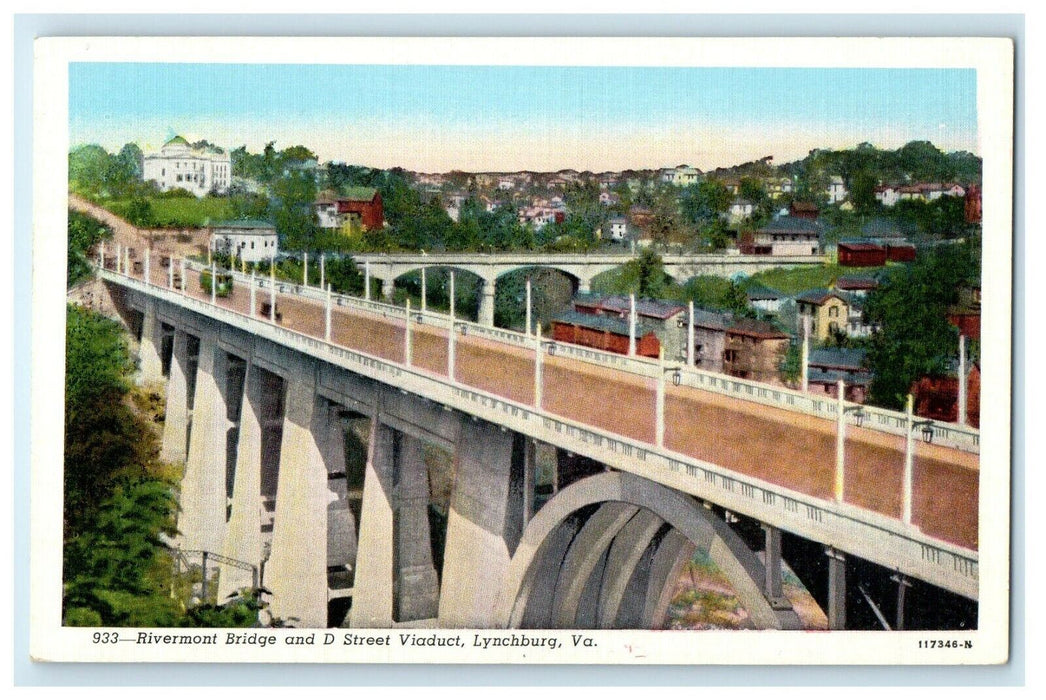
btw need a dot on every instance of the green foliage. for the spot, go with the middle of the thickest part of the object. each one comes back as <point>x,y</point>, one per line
<point>791,367</point>
<point>910,306</point>
<point>84,233</point>
<point>799,279</point>
<point>224,288</point>
<point>944,217</point>
<point>712,292</point>
<point>643,276</point>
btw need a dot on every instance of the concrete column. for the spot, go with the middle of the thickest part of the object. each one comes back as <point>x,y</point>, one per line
<point>203,500</point>
<point>341,525</point>
<point>836,589</point>
<point>372,596</point>
<point>296,572</point>
<point>387,288</point>
<point>485,522</point>
<point>903,584</point>
<point>150,362</point>
<point>176,415</point>
<point>584,285</point>
<point>772,563</point>
<point>529,478</point>
<point>486,303</point>
<point>243,539</point>
<point>416,587</point>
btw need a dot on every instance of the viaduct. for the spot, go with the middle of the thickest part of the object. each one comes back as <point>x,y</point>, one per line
<point>581,268</point>
<point>261,398</point>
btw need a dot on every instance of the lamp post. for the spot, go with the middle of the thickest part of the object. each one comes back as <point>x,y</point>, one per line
<point>804,363</point>
<point>148,276</point>
<point>101,255</point>
<point>182,263</point>
<point>961,418</point>
<point>305,270</point>
<point>214,285</point>
<point>323,271</point>
<point>253,292</point>
<point>424,286</point>
<point>366,280</point>
<point>119,258</point>
<point>170,273</point>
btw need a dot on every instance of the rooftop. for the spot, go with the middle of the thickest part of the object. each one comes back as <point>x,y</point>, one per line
<point>837,358</point>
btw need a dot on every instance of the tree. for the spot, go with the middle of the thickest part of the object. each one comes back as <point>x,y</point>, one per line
<point>643,276</point>
<point>84,233</point>
<point>910,307</point>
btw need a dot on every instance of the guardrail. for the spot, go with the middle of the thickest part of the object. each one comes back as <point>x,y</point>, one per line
<point>884,420</point>
<point>864,533</point>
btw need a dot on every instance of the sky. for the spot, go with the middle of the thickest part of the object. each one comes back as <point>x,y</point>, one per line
<point>507,118</point>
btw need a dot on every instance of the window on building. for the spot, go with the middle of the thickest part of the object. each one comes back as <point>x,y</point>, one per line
<point>730,355</point>
<point>833,312</point>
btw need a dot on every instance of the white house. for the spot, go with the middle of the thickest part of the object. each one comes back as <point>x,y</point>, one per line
<point>618,228</point>
<point>837,190</point>
<point>179,165</point>
<point>740,209</point>
<point>251,241</point>
<point>887,195</point>
<point>681,177</point>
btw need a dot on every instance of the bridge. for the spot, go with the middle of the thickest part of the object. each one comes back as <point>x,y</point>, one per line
<point>651,462</point>
<point>581,268</point>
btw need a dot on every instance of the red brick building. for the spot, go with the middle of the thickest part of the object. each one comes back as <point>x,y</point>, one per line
<point>853,254</point>
<point>360,204</point>
<point>603,333</point>
<point>938,398</point>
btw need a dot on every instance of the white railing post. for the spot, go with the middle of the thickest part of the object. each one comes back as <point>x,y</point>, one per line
<point>659,419</point>
<point>539,380</point>
<point>804,362</point>
<point>407,349</point>
<point>424,292</point>
<point>528,308</point>
<point>909,462</point>
<point>690,334</point>
<point>631,325</point>
<point>840,443</point>
<point>253,296</point>
<point>961,417</point>
<point>272,289</point>
<point>327,317</point>
<point>452,335</point>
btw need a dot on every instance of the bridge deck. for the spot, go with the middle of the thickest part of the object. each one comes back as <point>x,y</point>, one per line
<point>793,450</point>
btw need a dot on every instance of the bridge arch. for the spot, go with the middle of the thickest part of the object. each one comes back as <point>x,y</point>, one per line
<point>605,551</point>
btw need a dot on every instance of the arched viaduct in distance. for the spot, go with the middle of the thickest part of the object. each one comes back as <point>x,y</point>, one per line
<point>582,268</point>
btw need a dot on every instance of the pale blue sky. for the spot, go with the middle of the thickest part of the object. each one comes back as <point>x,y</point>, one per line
<point>520,117</point>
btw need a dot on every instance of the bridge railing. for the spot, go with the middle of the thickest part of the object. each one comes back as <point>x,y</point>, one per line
<point>865,533</point>
<point>884,420</point>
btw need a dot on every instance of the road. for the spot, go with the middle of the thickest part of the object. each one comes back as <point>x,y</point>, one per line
<point>790,449</point>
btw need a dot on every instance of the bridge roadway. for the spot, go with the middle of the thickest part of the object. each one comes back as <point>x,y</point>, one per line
<point>789,449</point>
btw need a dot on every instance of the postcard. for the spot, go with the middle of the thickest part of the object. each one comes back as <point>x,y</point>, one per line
<point>522,350</point>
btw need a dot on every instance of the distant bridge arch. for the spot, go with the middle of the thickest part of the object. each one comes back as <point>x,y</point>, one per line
<point>606,551</point>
